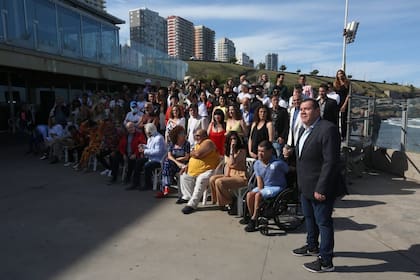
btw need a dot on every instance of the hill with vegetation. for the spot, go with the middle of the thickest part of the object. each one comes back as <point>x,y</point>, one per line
<point>220,71</point>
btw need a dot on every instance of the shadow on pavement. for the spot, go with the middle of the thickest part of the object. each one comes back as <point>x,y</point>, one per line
<point>53,217</point>
<point>390,261</point>
<point>354,203</point>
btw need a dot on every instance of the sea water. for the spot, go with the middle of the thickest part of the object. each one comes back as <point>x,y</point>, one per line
<point>390,134</point>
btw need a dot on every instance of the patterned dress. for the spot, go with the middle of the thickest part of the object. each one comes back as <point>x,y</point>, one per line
<point>169,168</point>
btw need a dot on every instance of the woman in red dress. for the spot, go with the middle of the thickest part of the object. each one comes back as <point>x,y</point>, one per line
<point>216,130</point>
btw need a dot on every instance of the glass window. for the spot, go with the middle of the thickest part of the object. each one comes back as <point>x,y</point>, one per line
<point>45,25</point>
<point>109,45</point>
<point>69,28</point>
<point>91,31</point>
<point>13,25</point>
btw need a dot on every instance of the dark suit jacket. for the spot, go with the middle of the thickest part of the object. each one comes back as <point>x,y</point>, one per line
<point>318,164</point>
<point>331,111</point>
<point>281,123</point>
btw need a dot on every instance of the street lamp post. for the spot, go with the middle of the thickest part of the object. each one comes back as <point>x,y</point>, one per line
<point>349,33</point>
<point>346,14</point>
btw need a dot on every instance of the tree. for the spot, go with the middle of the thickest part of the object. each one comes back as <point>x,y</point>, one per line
<point>233,60</point>
<point>261,66</point>
<point>298,71</point>
<point>412,88</point>
<point>314,72</point>
<point>384,82</point>
<point>350,76</point>
<point>283,68</point>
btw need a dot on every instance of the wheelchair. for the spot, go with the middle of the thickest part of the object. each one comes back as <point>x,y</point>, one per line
<point>284,209</point>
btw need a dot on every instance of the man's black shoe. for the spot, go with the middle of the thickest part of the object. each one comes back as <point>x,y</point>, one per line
<point>187,210</point>
<point>181,201</point>
<point>319,266</point>
<point>251,226</point>
<point>305,251</point>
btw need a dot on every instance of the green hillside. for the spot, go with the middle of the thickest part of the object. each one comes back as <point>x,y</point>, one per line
<point>222,71</point>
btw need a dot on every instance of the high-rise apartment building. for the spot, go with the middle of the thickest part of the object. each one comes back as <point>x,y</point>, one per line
<point>148,28</point>
<point>243,59</point>
<point>225,50</point>
<point>180,37</point>
<point>97,4</point>
<point>272,62</point>
<point>204,43</point>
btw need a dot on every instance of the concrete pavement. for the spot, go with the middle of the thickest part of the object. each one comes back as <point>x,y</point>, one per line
<point>60,224</point>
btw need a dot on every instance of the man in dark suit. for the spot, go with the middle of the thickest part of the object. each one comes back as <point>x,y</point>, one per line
<point>280,118</point>
<point>318,156</point>
<point>328,107</point>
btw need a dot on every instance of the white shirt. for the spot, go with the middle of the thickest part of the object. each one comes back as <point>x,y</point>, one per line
<point>335,96</point>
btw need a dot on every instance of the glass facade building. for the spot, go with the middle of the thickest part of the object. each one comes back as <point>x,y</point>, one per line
<point>59,28</point>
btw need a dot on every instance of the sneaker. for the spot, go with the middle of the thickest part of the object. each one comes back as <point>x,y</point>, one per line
<point>319,266</point>
<point>251,226</point>
<point>105,172</point>
<point>166,190</point>
<point>305,251</point>
<point>67,164</point>
<point>43,157</point>
<point>109,174</point>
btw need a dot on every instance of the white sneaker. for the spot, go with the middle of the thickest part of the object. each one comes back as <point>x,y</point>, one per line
<point>109,173</point>
<point>67,164</point>
<point>43,157</point>
<point>105,172</point>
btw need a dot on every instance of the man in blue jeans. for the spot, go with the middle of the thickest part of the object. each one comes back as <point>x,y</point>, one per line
<point>317,163</point>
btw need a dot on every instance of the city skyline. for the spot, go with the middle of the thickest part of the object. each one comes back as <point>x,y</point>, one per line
<point>308,35</point>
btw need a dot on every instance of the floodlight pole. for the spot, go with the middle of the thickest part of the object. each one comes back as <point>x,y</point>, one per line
<point>346,13</point>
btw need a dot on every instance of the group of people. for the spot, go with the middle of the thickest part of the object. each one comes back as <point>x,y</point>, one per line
<point>200,137</point>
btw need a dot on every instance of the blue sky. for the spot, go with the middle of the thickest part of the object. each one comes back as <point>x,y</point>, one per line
<point>307,34</point>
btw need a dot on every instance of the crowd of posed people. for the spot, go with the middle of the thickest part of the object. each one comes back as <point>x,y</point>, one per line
<point>200,136</point>
<point>187,130</point>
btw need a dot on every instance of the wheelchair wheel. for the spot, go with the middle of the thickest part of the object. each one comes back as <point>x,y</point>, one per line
<point>263,225</point>
<point>288,214</point>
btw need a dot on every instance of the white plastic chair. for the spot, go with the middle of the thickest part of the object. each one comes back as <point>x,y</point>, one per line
<point>219,170</point>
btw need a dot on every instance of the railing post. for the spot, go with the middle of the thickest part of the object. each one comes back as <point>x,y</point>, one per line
<point>404,124</point>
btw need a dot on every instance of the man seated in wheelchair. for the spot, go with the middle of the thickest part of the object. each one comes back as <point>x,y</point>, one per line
<point>271,180</point>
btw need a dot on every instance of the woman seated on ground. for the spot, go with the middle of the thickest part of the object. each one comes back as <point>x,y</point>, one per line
<point>234,176</point>
<point>216,130</point>
<point>178,156</point>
